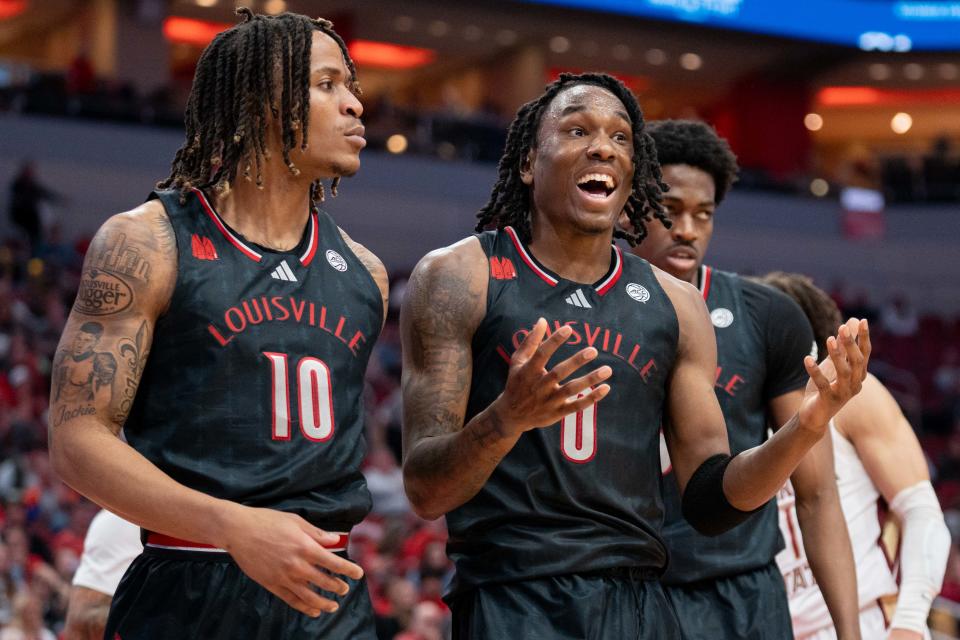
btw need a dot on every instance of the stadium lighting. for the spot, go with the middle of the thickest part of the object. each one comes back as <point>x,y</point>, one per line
<point>438,28</point>
<point>819,187</point>
<point>656,57</point>
<point>403,23</point>
<point>691,61</point>
<point>901,123</point>
<point>559,44</point>
<point>397,143</point>
<point>913,71</point>
<point>813,121</point>
<point>389,56</point>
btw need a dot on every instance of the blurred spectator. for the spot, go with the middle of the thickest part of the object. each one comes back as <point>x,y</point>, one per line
<point>26,196</point>
<point>946,378</point>
<point>427,623</point>
<point>898,317</point>
<point>385,480</point>
<point>396,612</point>
<point>27,620</point>
<point>81,78</point>
<point>862,202</point>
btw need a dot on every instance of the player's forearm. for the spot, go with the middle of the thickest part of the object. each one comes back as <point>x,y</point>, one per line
<point>92,460</point>
<point>442,472</point>
<point>827,545</point>
<point>756,475</point>
<point>87,624</point>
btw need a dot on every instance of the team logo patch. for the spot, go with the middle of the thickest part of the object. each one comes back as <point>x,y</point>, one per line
<point>502,268</point>
<point>203,248</point>
<point>336,260</point>
<point>638,292</point>
<point>721,317</point>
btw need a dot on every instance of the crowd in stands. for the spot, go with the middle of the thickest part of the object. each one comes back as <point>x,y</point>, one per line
<point>450,130</point>
<point>43,522</point>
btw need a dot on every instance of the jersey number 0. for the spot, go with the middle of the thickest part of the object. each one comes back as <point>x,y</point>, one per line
<point>314,398</point>
<point>578,435</point>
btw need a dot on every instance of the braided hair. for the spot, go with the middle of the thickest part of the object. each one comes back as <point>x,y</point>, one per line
<point>509,203</point>
<point>817,305</point>
<point>261,63</point>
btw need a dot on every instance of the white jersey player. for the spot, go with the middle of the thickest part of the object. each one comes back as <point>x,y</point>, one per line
<point>110,546</point>
<point>875,454</point>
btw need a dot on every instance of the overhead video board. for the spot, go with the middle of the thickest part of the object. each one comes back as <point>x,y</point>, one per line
<point>874,25</point>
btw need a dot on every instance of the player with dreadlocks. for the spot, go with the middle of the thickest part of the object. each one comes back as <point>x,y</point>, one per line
<point>549,475</point>
<point>241,318</point>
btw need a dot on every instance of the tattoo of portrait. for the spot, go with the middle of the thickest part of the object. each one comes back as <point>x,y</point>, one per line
<point>134,354</point>
<point>84,374</point>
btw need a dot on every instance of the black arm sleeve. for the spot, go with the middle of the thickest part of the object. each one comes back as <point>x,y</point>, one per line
<point>788,338</point>
<point>705,505</point>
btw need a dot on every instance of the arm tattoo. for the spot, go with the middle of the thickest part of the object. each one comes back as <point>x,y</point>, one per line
<point>83,373</point>
<point>111,275</point>
<point>134,354</point>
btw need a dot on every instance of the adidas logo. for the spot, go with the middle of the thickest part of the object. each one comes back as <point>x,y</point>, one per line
<point>283,272</point>
<point>577,299</point>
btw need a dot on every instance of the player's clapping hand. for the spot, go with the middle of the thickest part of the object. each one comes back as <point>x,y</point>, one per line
<point>534,397</point>
<point>838,378</point>
<point>285,554</point>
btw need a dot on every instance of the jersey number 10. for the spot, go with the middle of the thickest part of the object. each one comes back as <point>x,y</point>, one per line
<point>314,398</point>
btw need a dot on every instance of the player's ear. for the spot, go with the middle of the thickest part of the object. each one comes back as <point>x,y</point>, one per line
<point>526,167</point>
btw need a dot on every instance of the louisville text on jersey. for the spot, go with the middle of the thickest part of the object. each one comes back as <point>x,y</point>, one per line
<point>254,311</point>
<point>602,339</point>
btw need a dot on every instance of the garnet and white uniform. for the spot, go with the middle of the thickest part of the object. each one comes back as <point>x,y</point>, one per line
<point>858,498</point>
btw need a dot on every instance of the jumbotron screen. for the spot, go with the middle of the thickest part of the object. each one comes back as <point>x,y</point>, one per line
<point>874,25</point>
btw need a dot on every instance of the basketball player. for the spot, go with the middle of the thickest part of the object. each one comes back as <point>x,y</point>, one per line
<point>549,473</point>
<point>876,453</point>
<point>110,546</point>
<point>258,314</point>
<point>732,582</point>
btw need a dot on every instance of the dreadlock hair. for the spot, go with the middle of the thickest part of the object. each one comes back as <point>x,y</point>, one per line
<point>509,203</point>
<point>259,64</point>
<point>820,309</point>
<point>698,145</point>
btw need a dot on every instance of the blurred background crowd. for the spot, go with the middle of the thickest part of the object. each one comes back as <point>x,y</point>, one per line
<point>847,130</point>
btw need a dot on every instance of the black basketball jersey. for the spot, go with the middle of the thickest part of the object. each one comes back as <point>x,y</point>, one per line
<point>584,494</point>
<point>762,338</point>
<point>252,391</point>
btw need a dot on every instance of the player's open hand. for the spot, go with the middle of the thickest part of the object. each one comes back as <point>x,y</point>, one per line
<point>534,397</point>
<point>838,378</point>
<point>285,554</point>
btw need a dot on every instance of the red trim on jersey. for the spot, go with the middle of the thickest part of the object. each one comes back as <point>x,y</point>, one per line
<point>170,542</point>
<point>607,284</point>
<point>161,540</point>
<point>221,225</point>
<point>311,251</point>
<point>546,277</point>
<point>706,275</point>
